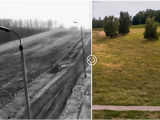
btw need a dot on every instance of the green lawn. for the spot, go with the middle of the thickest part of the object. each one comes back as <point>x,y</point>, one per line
<point>137,26</point>
<point>110,114</point>
<point>98,29</point>
<point>131,27</point>
<point>127,70</point>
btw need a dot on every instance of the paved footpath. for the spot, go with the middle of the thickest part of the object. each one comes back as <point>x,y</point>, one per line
<point>126,108</point>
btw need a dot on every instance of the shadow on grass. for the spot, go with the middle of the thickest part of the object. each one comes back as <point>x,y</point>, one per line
<point>104,37</point>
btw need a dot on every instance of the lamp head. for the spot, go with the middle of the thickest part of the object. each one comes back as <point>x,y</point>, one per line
<point>4,29</point>
<point>74,22</point>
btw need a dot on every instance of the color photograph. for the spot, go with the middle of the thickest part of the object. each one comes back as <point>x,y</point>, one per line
<point>126,79</point>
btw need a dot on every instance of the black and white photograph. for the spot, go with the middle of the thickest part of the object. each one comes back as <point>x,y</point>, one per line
<point>45,59</point>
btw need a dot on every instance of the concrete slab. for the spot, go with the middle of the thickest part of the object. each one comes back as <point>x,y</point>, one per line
<point>126,108</point>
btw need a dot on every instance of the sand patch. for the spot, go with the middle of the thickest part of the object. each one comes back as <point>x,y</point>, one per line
<point>102,33</point>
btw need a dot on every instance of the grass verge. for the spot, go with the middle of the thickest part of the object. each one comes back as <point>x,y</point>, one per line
<point>133,114</point>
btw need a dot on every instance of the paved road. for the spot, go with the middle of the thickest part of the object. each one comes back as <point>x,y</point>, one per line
<point>126,108</point>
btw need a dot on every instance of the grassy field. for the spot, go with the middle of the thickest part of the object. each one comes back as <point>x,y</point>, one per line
<point>131,27</point>
<point>97,29</point>
<point>137,26</point>
<point>110,114</point>
<point>127,70</point>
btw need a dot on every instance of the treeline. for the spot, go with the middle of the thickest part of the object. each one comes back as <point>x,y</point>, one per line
<point>113,26</point>
<point>140,18</point>
<point>23,28</point>
<point>97,23</point>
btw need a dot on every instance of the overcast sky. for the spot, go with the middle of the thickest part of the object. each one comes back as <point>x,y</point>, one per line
<point>106,8</point>
<point>63,11</point>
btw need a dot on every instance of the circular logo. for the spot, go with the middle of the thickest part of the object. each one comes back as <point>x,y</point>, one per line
<point>91,60</point>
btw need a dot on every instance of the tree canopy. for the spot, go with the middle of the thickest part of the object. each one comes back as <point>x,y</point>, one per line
<point>151,29</point>
<point>97,23</point>
<point>140,18</point>
<point>124,21</point>
<point>111,26</point>
<point>24,28</point>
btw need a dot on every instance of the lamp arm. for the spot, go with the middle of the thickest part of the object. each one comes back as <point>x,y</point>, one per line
<point>80,25</point>
<point>17,36</point>
<point>4,29</point>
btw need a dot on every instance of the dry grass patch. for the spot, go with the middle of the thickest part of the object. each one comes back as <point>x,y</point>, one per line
<point>111,65</point>
<point>99,47</point>
<point>102,33</point>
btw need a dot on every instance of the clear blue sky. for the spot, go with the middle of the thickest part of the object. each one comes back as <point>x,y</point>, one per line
<point>106,8</point>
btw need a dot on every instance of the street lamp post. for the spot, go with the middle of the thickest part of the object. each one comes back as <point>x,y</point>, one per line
<point>83,52</point>
<point>24,70</point>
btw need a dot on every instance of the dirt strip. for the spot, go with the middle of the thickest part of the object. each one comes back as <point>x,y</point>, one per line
<point>55,93</point>
<point>79,104</point>
<point>126,108</point>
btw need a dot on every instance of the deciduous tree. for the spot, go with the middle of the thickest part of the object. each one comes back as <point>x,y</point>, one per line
<point>151,29</point>
<point>111,26</point>
<point>141,17</point>
<point>124,21</point>
<point>97,23</point>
